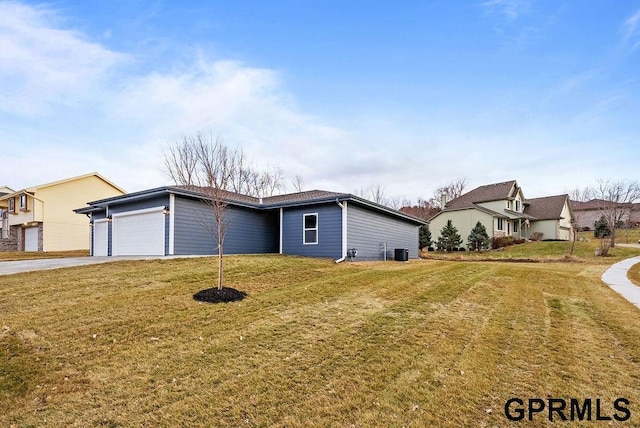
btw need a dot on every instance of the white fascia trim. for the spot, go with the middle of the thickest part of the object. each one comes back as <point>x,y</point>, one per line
<point>142,211</point>
<point>172,223</point>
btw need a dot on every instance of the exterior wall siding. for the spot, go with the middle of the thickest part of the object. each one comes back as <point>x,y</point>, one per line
<point>547,227</point>
<point>367,231</point>
<point>249,231</point>
<point>464,221</point>
<point>329,231</point>
<point>64,229</point>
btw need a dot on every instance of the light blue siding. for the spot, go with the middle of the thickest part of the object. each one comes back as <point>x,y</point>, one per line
<point>329,231</point>
<point>367,231</point>
<point>248,231</point>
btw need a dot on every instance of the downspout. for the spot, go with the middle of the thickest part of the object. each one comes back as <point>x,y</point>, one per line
<point>172,223</point>
<point>280,233</point>
<point>344,230</point>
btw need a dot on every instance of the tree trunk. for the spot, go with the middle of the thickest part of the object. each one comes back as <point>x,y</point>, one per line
<point>220,267</point>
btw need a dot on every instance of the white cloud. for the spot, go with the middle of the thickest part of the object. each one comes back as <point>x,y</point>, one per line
<point>41,65</point>
<point>512,9</point>
<point>631,30</point>
<point>67,101</point>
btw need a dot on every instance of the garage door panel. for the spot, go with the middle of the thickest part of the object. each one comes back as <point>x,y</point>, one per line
<point>31,239</point>
<point>139,234</point>
<point>100,238</point>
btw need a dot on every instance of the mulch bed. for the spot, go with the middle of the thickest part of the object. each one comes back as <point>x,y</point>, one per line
<point>224,295</point>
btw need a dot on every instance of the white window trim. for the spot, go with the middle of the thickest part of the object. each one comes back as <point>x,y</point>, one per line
<point>498,221</point>
<point>305,229</point>
<point>93,244</point>
<point>23,198</point>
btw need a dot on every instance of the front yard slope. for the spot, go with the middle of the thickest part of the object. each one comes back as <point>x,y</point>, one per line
<point>424,343</point>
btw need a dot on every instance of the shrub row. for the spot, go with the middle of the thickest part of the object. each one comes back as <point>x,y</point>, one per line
<point>505,241</point>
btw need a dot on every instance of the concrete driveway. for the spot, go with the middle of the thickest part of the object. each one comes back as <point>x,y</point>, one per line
<point>9,268</point>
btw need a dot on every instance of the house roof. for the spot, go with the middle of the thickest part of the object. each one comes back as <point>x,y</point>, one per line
<point>546,208</point>
<point>487,193</point>
<point>598,204</point>
<point>272,202</point>
<point>34,189</point>
<point>5,190</point>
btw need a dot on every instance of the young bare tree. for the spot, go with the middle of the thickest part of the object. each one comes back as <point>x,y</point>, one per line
<point>617,197</point>
<point>374,193</point>
<point>298,183</point>
<point>577,195</point>
<point>215,170</point>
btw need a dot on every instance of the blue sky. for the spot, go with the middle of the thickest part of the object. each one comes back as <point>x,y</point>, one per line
<point>348,95</point>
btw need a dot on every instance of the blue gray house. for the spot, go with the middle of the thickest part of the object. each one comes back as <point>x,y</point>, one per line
<point>173,220</point>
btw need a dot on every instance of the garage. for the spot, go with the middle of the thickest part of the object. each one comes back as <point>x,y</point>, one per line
<point>101,238</point>
<point>31,239</point>
<point>139,233</point>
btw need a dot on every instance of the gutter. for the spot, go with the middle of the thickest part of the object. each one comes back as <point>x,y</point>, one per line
<point>343,205</point>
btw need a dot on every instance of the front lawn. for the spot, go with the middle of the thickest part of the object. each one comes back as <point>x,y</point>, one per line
<point>30,255</point>
<point>424,343</point>
<point>634,274</point>
<point>550,251</point>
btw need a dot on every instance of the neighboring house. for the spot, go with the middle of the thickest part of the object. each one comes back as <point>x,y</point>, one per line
<point>587,213</point>
<point>171,221</point>
<point>504,211</point>
<point>41,218</point>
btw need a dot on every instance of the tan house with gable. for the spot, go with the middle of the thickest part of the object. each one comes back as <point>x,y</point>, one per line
<point>504,211</point>
<point>41,218</point>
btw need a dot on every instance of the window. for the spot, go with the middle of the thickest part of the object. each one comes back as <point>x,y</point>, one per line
<point>515,226</point>
<point>500,224</point>
<point>310,229</point>
<point>517,206</point>
<point>23,202</point>
<point>508,205</point>
<point>12,205</point>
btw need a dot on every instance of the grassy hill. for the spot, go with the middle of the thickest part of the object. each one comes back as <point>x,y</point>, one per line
<point>424,343</point>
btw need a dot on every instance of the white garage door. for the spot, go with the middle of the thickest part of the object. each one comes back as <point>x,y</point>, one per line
<point>100,237</point>
<point>139,233</point>
<point>31,239</point>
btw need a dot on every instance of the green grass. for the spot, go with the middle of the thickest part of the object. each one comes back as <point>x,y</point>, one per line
<point>424,343</point>
<point>30,255</point>
<point>551,251</point>
<point>634,274</point>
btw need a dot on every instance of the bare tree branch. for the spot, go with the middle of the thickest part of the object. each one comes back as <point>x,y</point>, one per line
<point>615,200</point>
<point>216,170</point>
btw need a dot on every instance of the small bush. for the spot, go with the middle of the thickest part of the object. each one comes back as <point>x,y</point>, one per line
<point>536,236</point>
<point>520,241</point>
<point>502,241</point>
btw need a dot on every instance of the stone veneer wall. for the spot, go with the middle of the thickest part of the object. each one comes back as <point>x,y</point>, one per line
<point>11,243</point>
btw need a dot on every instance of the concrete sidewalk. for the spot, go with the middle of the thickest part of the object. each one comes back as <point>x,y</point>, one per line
<point>616,278</point>
<point>10,268</point>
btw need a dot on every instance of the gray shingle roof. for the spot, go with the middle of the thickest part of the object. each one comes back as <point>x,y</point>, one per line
<point>547,208</point>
